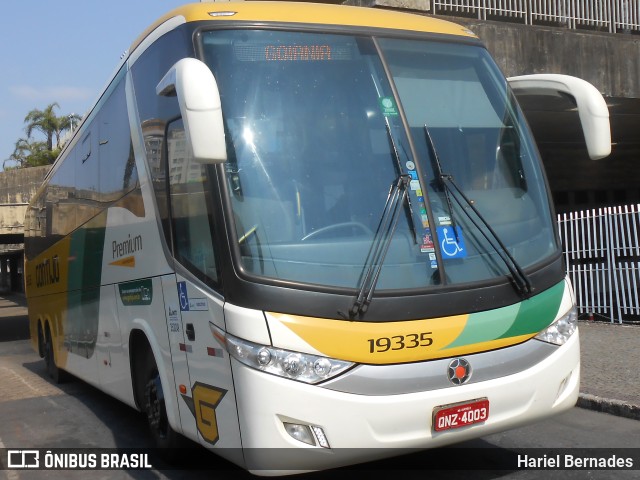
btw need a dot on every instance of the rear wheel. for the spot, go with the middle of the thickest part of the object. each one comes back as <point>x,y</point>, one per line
<point>55,373</point>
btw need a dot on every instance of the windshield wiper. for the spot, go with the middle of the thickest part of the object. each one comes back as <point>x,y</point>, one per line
<point>397,200</point>
<point>520,279</point>
<point>398,166</point>
<point>380,245</point>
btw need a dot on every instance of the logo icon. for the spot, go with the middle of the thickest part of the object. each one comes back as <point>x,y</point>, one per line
<point>459,371</point>
<point>23,459</point>
<point>452,244</point>
<point>184,297</point>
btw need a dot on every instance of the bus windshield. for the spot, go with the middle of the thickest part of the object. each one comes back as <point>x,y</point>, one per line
<point>320,127</point>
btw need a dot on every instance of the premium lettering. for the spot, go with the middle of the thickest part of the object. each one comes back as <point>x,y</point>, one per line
<point>127,247</point>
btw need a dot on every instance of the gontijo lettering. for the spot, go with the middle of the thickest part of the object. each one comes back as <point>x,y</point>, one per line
<point>48,272</point>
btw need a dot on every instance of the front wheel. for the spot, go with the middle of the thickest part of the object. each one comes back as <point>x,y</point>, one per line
<point>155,409</point>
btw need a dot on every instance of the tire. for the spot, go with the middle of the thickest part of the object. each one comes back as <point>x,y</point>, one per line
<point>55,373</point>
<point>155,410</point>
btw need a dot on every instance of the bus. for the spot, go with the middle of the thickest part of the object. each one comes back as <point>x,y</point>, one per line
<point>307,236</point>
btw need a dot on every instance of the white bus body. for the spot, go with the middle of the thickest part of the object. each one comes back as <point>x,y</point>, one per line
<point>411,295</point>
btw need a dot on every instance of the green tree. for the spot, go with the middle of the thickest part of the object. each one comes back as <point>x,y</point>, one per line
<point>46,122</point>
<point>31,153</point>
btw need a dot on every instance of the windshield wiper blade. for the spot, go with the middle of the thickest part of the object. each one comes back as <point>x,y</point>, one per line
<point>398,166</point>
<point>397,199</point>
<point>520,278</point>
<point>380,245</point>
<point>441,176</point>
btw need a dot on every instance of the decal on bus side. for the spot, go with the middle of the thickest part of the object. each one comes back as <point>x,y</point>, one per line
<point>137,292</point>
<point>202,404</point>
<point>420,339</point>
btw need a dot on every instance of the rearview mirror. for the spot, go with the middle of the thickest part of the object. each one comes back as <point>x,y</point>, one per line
<point>592,108</point>
<point>197,91</point>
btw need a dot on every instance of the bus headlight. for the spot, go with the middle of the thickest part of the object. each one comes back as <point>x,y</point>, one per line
<point>561,330</point>
<point>303,367</point>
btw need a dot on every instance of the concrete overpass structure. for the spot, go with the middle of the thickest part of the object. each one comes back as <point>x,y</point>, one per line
<point>605,54</point>
<point>16,189</point>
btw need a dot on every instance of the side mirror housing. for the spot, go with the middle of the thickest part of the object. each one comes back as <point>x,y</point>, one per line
<point>197,91</point>
<point>592,108</point>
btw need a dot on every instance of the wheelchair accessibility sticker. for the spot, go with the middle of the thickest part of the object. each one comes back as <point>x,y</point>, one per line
<point>451,242</point>
<point>190,304</point>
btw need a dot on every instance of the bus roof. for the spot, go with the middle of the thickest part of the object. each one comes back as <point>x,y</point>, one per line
<point>309,13</point>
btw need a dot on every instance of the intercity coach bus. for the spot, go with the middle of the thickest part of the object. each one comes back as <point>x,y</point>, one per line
<point>308,235</point>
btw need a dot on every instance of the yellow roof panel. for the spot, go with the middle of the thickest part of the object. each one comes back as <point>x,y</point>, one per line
<point>310,13</point>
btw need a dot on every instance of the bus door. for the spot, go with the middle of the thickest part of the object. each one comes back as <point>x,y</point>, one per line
<point>209,398</point>
<point>175,329</point>
<point>191,312</point>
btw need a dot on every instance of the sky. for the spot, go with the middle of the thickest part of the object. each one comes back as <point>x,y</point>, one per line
<point>63,52</point>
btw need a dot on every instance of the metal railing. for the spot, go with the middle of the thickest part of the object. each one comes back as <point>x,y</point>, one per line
<point>608,15</point>
<point>602,255</point>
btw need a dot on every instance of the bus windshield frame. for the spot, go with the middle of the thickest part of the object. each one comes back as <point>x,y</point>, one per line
<point>320,126</point>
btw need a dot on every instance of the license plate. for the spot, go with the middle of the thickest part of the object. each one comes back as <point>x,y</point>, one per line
<point>459,415</point>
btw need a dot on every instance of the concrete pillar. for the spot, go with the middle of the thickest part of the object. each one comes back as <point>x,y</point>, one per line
<point>4,274</point>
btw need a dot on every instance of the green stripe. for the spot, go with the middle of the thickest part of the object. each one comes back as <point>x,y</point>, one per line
<point>538,312</point>
<point>527,317</point>
<point>85,274</point>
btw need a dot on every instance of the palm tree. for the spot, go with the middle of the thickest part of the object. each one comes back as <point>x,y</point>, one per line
<point>29,154</point>
<point>20,154</point>
<point>46,122</point>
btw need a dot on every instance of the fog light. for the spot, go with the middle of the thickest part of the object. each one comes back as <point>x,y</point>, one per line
<point>302,433</point>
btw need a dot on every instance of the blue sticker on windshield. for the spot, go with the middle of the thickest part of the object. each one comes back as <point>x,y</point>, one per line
<point>451,243</point>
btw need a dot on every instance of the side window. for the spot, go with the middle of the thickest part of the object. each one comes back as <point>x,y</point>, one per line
<point>155,111</point>
<point>35,226</point>
<point>60,200</point>
<point>87,171</point>
<point>118,174</point>
<point>191,219</point>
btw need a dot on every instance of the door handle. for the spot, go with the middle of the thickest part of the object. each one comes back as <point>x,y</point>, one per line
<point>190,331</point>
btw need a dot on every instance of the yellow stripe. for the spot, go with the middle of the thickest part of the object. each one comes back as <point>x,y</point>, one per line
<point>46,287</point>
<point>384,342</point>
<point>376,343</point>
<point>125,262</point>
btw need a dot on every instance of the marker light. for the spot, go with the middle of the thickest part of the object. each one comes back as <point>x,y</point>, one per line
<point>303,367</point>
<point>561,330</point>
<point>320,436</point>
<point>309,434</point>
